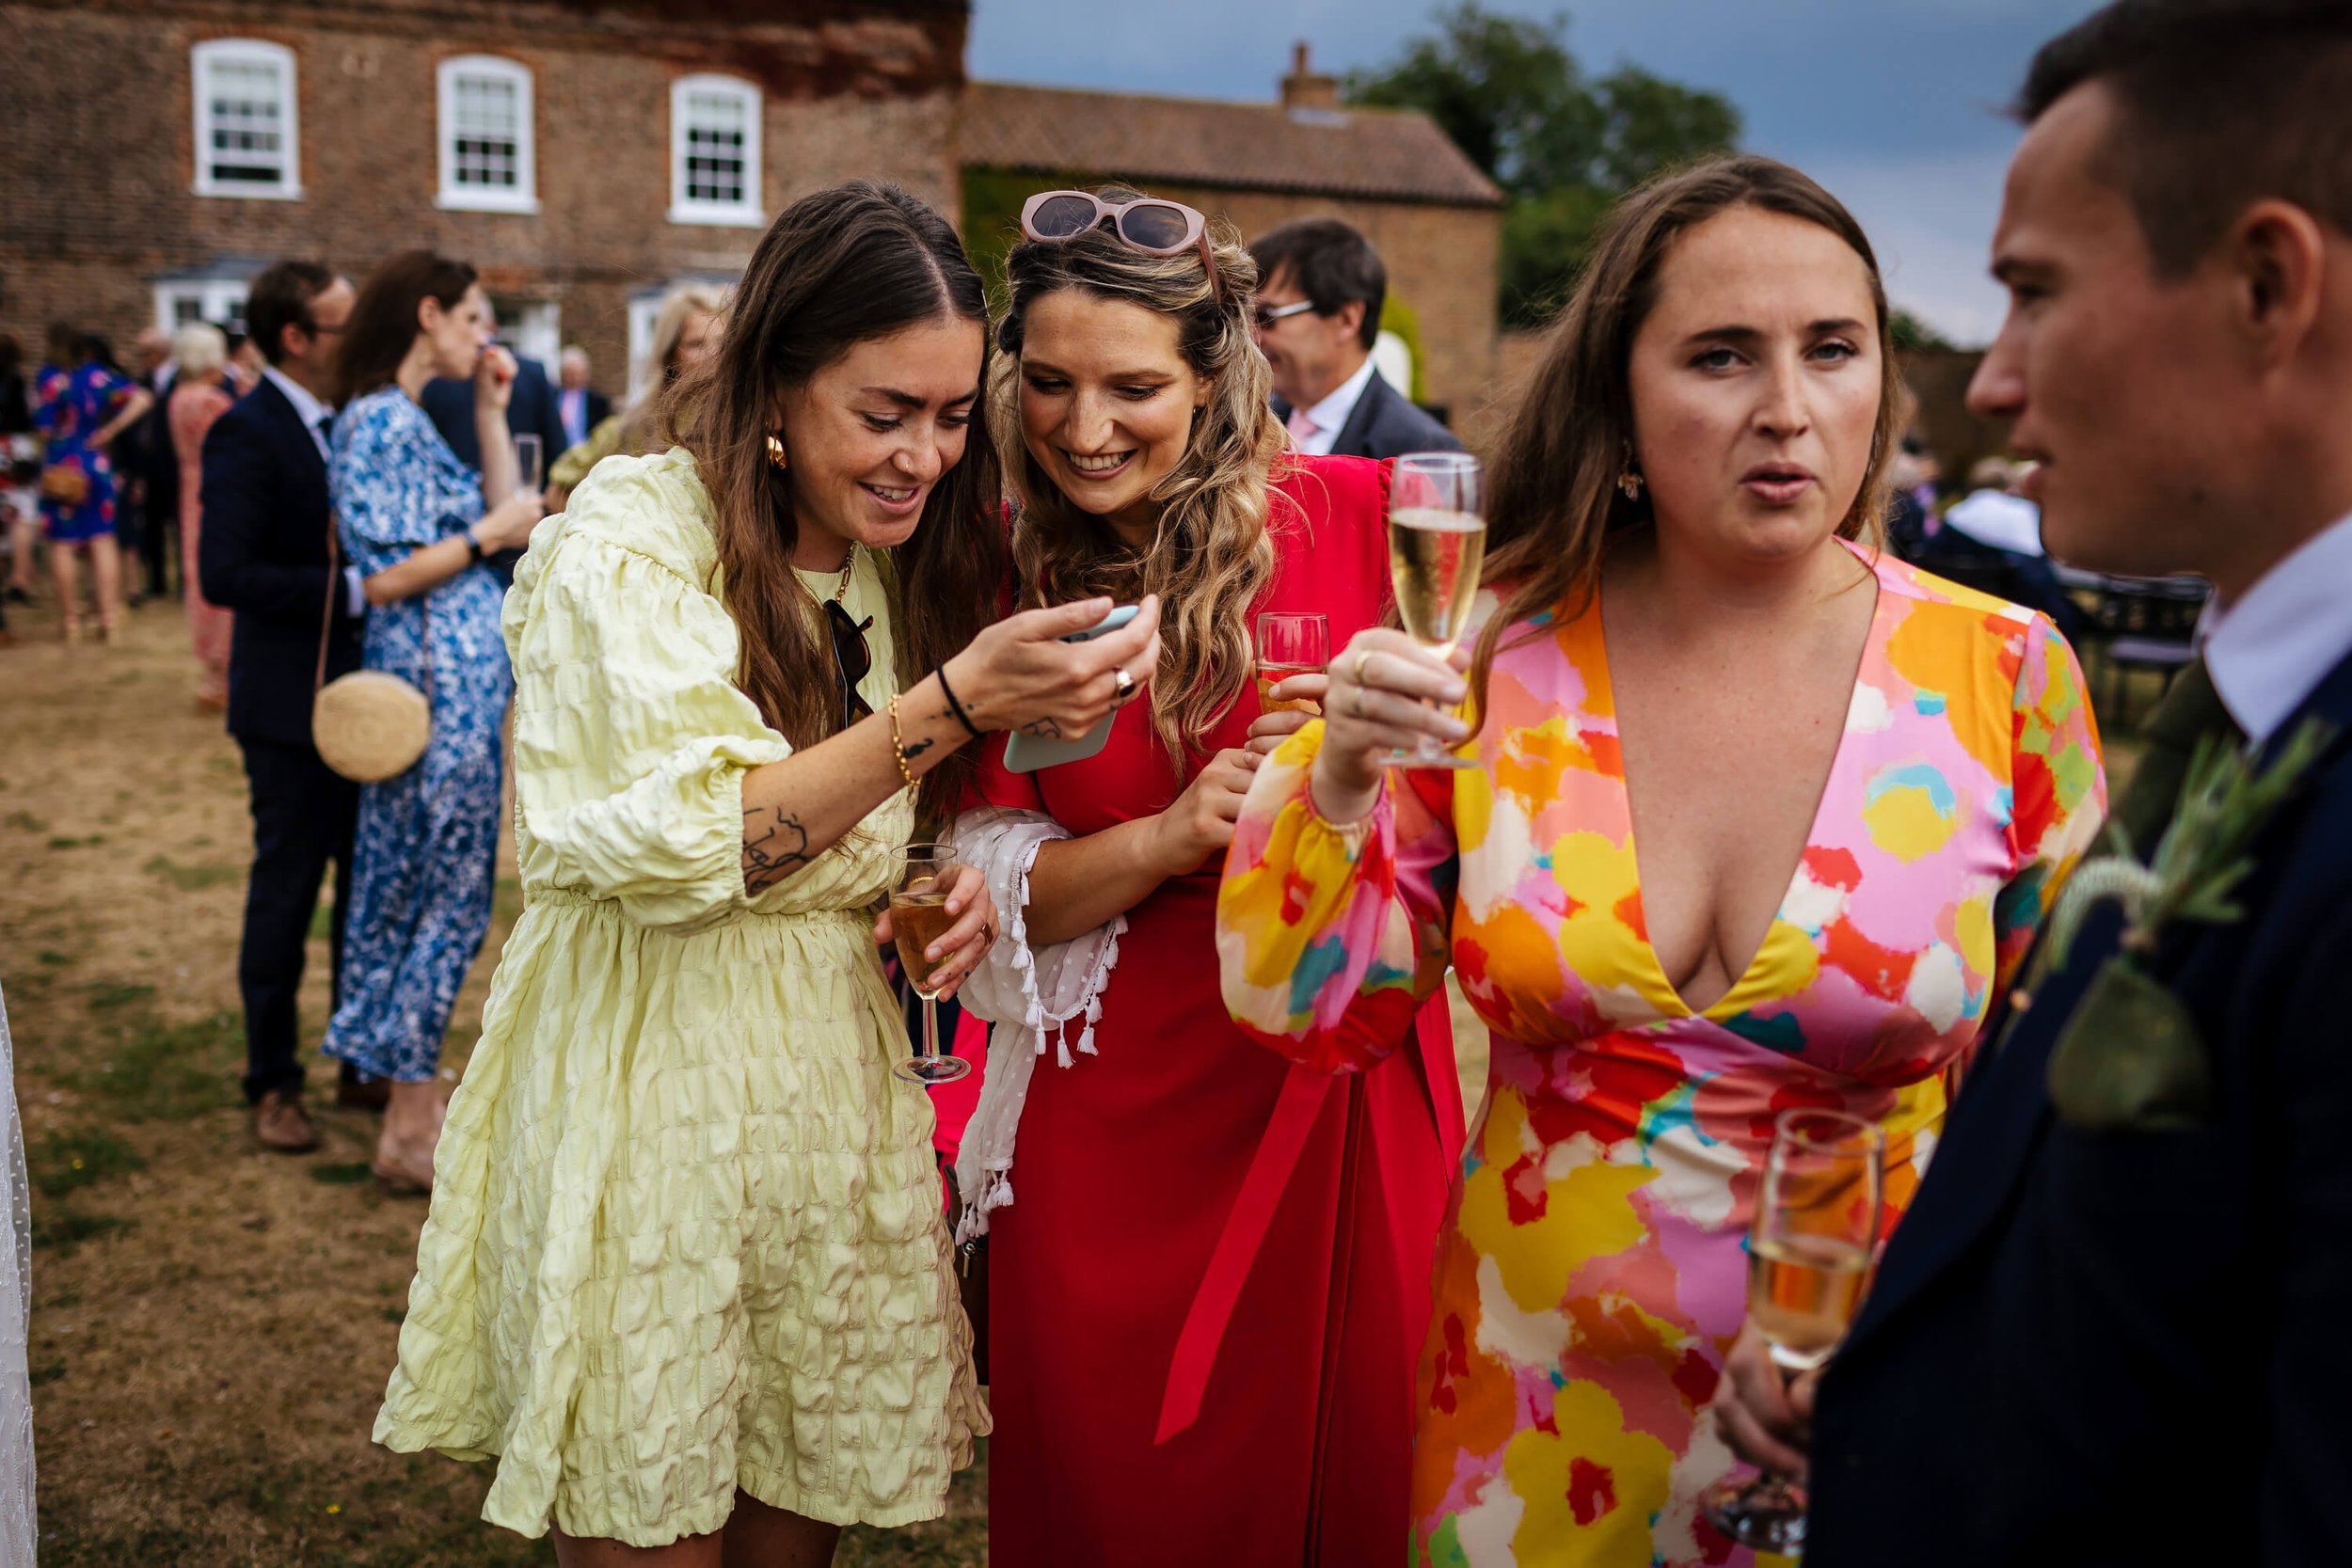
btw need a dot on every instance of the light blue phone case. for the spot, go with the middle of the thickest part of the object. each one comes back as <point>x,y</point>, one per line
<point>1026,754</point>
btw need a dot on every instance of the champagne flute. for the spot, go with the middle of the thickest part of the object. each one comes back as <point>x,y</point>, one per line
<point>528,455</point>
<point>919,917</point>
<point>1436,541</point>
<point>1290,644</point>
<point>1809,1249</point>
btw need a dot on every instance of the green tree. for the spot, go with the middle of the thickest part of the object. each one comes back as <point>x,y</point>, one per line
<point>1909,332</point>
<point>1561,146</point>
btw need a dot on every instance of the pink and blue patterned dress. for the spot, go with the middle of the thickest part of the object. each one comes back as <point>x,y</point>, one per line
<point>69,407</point>
<point>424,859</point>
<point>1592,1270</point>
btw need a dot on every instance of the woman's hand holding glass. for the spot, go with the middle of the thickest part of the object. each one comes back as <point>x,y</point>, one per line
<point>1387,694</point>
<point>1200,822</point>
<point>507,526</point>
<point>957,951</point>
<point>1019,674</point>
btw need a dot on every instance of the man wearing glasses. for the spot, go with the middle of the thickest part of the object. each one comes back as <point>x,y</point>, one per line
<point>1319,297</point>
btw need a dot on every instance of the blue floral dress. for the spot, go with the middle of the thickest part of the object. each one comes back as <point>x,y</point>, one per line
<point>426,855</point>
<point>70,406</point>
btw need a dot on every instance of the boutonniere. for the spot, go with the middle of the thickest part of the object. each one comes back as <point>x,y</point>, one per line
<point>2130,1056</point>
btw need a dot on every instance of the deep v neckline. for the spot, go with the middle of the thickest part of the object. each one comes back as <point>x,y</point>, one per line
<point>1737,997</point>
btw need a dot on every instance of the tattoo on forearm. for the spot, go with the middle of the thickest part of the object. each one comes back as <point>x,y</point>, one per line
<point>775,845</point>
<point>916,749</point>
<point>1046,729</point>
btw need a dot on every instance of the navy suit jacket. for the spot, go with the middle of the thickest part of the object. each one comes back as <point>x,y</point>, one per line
<point>264,552</point>
<point>530,410</point>
<point>1384,423</point>
<point>2130,1347</point>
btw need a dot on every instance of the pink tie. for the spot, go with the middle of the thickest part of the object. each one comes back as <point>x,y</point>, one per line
<point>1301,427</point>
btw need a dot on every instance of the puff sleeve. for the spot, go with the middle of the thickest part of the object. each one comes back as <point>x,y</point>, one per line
<point>631,738</point>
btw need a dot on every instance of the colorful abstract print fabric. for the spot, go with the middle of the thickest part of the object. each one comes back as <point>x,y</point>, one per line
<point>1591,1273</point>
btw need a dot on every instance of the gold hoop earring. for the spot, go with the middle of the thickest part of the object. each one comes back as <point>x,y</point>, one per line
<point>775,453</point>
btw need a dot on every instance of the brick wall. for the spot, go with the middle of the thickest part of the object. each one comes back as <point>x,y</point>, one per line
<point>98,164</point>
<point>1441,262</point>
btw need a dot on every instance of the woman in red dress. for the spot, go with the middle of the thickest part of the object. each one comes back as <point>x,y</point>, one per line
<point>1206,1303</point>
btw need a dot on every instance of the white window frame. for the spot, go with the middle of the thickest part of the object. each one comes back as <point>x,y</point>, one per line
<point>218,300</point>
<point>745,214</point>
<point>524,197</point>
<point>202,59</point>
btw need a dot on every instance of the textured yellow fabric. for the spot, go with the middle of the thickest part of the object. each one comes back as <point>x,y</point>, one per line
<point>686,1230</point>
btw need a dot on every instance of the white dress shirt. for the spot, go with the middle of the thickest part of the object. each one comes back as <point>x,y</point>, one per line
<point>1997,519</point>
<point>2270,650</point>
<point>314,413</point>
<point>1330,415</point>
<point>315,417</point>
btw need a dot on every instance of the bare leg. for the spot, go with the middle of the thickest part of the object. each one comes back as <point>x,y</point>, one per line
<point>698,1551</point>
<point>758,1536</point>
<point>69,589</point>
<point>412,1128</point>
<point>105,560</point>
<point>23,531</point>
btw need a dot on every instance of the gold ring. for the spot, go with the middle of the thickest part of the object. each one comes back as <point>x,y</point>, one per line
<point>1362,655</point>
<point>1360,701</point>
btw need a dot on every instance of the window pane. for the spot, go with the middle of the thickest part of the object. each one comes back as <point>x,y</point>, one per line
<point>487,121</point>
<point>245,130</point>
<point>716,126</point>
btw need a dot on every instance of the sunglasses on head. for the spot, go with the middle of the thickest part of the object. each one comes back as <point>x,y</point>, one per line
<point>851,659</point>
<point>1147,224</point>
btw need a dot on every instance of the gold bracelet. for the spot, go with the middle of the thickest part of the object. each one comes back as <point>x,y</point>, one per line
<point>897,742</point>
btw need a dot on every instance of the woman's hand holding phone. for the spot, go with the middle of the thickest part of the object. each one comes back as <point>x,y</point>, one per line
<point>1021,673</point>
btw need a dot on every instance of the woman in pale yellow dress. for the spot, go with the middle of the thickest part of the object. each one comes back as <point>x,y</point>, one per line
<point>686,1274</point>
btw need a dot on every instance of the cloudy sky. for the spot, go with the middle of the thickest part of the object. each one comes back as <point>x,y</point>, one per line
<point>1892,103</point>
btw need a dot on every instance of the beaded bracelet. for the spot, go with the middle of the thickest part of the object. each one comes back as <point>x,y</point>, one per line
<point>897,742</point>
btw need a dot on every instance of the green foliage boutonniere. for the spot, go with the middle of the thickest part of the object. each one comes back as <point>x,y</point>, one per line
<point>2130,1057</point>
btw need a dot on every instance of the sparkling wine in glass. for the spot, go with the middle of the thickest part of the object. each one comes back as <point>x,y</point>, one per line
<point>919,917</point>
<point>529,456</point>
<point>1809,1250</point>
<point>1436,543</point>
<point>1290,644</point>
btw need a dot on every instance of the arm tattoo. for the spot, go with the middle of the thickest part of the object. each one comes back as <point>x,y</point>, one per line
<point>775,845</point>
<point>1043,728</point>
<point>916,749</point>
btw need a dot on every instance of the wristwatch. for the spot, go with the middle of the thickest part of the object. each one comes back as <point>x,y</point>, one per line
<point>474,549</point>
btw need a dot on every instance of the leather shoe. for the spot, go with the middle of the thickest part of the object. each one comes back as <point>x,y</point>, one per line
<point>281,1124</point>
<point>354,1093</point>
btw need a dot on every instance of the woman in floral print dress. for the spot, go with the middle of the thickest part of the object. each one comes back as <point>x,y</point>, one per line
<point>1854,788</point>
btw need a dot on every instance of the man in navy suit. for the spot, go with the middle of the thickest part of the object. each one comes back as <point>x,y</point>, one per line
<point>1321,286</point>
<point>2112,1327</point>
<point>267,551</point>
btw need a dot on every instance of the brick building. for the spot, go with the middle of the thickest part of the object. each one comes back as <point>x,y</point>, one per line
<point>584,154</point>
<point>1436,220</point>
<point>588,154</point>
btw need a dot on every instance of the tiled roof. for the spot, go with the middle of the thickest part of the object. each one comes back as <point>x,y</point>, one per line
<point>1390,154</point>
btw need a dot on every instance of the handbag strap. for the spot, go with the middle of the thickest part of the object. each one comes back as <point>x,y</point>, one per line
<point>327,617</point>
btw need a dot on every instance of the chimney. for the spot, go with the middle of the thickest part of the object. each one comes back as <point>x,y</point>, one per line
<point>1303,89</point>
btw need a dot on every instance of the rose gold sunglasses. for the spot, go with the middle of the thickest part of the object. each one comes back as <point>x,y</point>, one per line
<point>1149,225</point>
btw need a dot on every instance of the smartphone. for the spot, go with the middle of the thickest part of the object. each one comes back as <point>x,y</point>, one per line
<point>1026,754</point>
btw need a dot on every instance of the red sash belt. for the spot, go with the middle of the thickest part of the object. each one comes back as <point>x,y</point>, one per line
<point>1304,1091</point>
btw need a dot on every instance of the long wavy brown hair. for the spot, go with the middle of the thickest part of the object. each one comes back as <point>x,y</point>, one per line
<point>1553,504</point>
<point>836,268</point>
<point>1210,556</point>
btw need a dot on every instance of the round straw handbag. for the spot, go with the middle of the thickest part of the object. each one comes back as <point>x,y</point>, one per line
<point>369,725</point>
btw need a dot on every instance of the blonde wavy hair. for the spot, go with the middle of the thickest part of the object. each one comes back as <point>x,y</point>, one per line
<point>639,421</point>
<point>1210,558</point>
